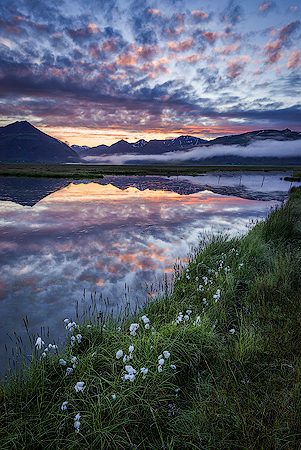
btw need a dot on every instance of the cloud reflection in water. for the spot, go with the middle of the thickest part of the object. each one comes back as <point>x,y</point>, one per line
<point>99,238</point>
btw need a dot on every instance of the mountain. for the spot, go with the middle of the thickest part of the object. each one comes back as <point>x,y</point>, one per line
<point>142,147</point>
<point>22,142</point>
<point>247,138</point>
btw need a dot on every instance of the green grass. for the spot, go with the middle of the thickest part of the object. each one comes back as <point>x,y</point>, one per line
<point>92,171</point>
<point>237,355</point>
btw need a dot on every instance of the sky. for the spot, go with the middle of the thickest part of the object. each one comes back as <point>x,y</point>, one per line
<point>93,72</point>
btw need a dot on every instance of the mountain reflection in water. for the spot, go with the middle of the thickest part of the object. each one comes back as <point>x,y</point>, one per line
<point>99,238</point>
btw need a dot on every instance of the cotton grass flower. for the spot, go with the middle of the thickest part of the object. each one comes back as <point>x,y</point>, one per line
<point>173,367</point>
<point>232,331</point>
<point>80,386</point>
<point>77,423</point>
<point>79,338</point>
<point>166,354</point>
<point>131,348</point>
<point>68,371</point>
<point>113,396</point>
<point>161,362</point>
<point>39,343</point>
<point>131,373</point>
<point>62,362</point>
<point>64,406</point>
<point>133,328</point>
<point>119,354</point>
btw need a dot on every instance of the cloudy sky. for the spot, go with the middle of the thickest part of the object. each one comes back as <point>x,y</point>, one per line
<point>96,71</point>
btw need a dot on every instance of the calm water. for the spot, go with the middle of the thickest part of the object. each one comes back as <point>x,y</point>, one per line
<point>58,238</point>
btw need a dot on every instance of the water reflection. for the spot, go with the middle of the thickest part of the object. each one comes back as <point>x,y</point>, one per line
<point>99,238</point>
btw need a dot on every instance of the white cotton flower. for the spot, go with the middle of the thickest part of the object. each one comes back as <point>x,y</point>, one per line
<point>64,406</point>
<point>144,370</point>
<point>80,386</point>
<point>159,368</point>
<point>145,319</point>
<point>161,362</point>
<point>79,338</point>
<point>188,311</point>
<point>69,370</point>
<point>166,354</point>
<point>62,362</point>
<point>232,330</point>
<point>131,348</point>
<point>114,396</point>
<point>186,317</point>
<point>130,370</point>
<point>74,360</point>
<point>76,426</point>
<point>197,321</point>
<point>119,354</point>
<point>160,356</point>
<point>66,321</point>
<point>89,326</point>
<point>77,417</point>
<point>118,329</point>
<point>72,340</point>
<point>172,366</point>
<point>93,354</point>
<point>50,346</point>
<point>196,278</point>
<point>133,328</point>
<point>39,343</point>
<point>129,376</point>
<point>146,326</point>
<point>44,354</point>
<point>126,358</point>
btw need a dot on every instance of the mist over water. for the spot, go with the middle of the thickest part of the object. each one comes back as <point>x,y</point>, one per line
<point>97,237</point>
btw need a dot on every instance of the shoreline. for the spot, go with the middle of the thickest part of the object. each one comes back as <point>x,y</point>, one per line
<point>213,361</point>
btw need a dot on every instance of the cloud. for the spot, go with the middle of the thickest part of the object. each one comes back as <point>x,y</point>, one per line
<point>181,46</point>
<point>83,33</point>
<point>232,14</point>
<point>236,66</point>
<point>274,49</point>
<point>266,7</point>
<point>268,148</point>
<point>294,59</point>
<point>199,16</point>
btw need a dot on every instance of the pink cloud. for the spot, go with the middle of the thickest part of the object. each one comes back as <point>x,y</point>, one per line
<point>199,15</point>
<point>211,36</point>
<point>126,59</point>
<point>227,49</point>
<point>263,7</point>
<point>236,66</point>
<point>154,12</point>
<point>147,52</point>
<point>191,59</point>
<point>155,68</point>
<point>294,59</point>
<point>181,46</point>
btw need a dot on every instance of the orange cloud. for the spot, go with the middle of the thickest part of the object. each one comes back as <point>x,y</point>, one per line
<point>199,15</point>
<point>211,36</point>
<point>236,66</point>
<point>92,28</point>
<point>155,68</point>
<point>147,52</point>
<point>294,59</point>
<point>126,59</point>
<point>154,12</point>
<point>181,46</point>
<point>191,58</point>
<point>227,49</point>
<point>263,7</point>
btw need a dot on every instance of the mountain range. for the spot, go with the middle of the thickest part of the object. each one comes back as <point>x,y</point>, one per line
<point>22,142</point>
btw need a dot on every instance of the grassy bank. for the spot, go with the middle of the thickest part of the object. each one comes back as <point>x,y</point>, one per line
<point>213,364</point>
<point>90,171</point>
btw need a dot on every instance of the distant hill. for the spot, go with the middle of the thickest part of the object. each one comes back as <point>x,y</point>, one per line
<point>22,142</point>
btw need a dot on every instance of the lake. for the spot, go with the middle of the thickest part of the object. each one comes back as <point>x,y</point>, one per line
<point>60,241</point>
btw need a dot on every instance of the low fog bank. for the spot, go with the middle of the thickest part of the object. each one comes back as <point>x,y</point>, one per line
<point>268,148</point>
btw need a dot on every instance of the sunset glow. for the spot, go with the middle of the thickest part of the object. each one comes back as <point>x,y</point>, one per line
<point>94,73</point>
